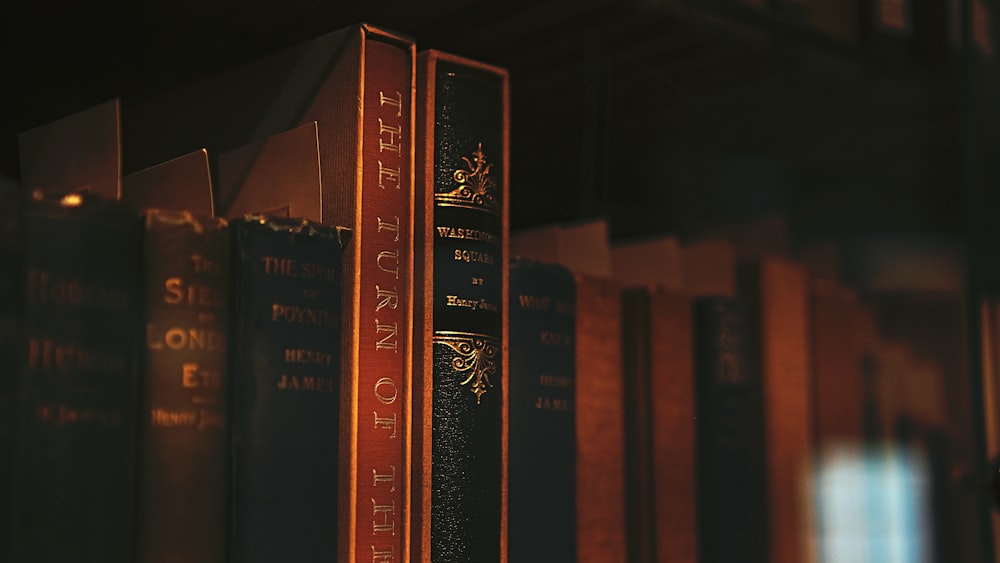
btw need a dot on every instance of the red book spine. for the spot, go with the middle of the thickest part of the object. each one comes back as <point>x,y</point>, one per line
<point>383,306</point>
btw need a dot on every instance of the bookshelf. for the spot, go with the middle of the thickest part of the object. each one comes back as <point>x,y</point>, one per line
<point>677,116</point>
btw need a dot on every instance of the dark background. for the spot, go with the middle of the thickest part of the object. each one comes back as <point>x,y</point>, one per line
<point>660,116</point>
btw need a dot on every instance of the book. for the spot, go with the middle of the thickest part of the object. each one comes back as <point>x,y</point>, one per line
<point>74,463</point>
<point>837,343</point>
<point>542,429</point>
<point>731,502</point>
<point>460,383</point>
<point>659,380</point>
<point>182,476</point>
<point>775,291</point>
<point>285,367</point>
<point>80,152</point>
<point>357,85</point>
<point>584,248</point>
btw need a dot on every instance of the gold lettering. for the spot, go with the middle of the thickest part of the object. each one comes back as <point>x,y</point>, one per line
<point>278,266</point>
<point>302,356</point>
<point>167,417</point>
<point>396,102</point>
<point>555,381</point>
<point>389,477</point>
<point>193,377</point>
<point>386,391</point>
<point>387,226</point>
<point>386,555</point>
<point>559,339</point>
<point>48,355</point>
<point>383,517</point>
<point>550,404</point>
<point>535,302</point>
<point>386,298</point>
<point>467,234</point>
<point>303,315</point>
<point>386,423</point>
<point>387,342</point>
<point>389,137</point>
<point>392,257</point>
<point>299,383</point>
<point>388,176</point>
<point>474,256</point>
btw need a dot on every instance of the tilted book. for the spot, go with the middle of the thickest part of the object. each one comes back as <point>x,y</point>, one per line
<point>460,382</point>
<point>541,382</point>
<point>285,376</point>
<point>356,84</point>
<point>75,435</point>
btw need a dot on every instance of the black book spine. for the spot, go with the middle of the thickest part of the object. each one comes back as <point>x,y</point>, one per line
<point>182,504</point>
<point>11,323</point>
<point>74,464</point>
<point>542,423</point>
<point>730,444</point>
<point>286,388</point>
<point>468,397</point>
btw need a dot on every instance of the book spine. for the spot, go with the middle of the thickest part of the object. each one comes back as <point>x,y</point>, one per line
<point>11,323</point>
<point>182,477</point>
<point>542,429</point>
<point>672,427</point>
<point>600,422</point>
<point>285,380</point>
<point>75,438</point>
<point>636,319</point>
<point>730,447</point>
<point>382,321</point>
<point>776,293</point>
<point>462,390</point>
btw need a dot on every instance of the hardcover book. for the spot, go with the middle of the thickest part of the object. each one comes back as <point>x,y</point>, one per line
<point>357,86</point>
<point>542,460</point>
<point>75,436</point>
<point>730,441</point>
<point>776,293</point>
<point>598,381</point>
<point>460,386</point>
<point>285,371</point>
<point>182,496</point>
<point>659,382</point>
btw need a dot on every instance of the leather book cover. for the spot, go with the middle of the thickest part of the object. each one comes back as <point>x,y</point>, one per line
<point>732,523</point>
<point>182,504</point>
<point>542,413</point>
<point>460,382</point>
<point>285,371</point>
<point>75,438</point>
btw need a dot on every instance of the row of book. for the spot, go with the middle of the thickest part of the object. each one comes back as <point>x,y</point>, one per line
<point>299,353</point>
<point>320,342</point>
<point>736,401</point>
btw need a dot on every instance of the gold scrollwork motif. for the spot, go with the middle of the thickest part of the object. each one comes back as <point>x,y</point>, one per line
<point>475,189</point>
<point>476,358</point>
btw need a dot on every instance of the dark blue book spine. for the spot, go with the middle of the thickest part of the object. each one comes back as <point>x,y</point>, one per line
<point>75,435</point>
<point>183,474</point>
<point>730,444</point>
<point>468,275</point>
<point>286,388</point>
<point>542,428</point>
